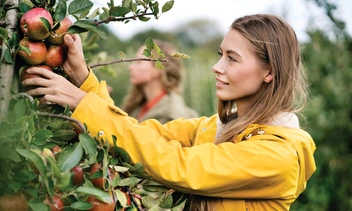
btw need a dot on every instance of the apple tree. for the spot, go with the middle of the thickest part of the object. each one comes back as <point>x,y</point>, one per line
<point>48,160</point>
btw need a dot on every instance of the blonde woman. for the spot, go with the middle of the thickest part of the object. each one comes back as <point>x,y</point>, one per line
<point>251,155</point>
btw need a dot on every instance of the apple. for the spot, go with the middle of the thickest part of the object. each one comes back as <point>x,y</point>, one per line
<point>57,35</point>
<point>55,56</point>
<point>37,50</point>
<point>32,26</point>
<point>78,175</point>
<point>56,203</point>
<point>15,202</point>
<point>25,75</point>
<point>98,205</point>
<point>56,149</point>
<point>98,182</point>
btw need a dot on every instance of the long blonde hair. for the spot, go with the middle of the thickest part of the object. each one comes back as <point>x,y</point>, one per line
<point>275,45</point>
<point>171,78</point>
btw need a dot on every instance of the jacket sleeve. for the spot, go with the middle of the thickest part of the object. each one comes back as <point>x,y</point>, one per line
<point>249,169</point>
<point>91,84</point>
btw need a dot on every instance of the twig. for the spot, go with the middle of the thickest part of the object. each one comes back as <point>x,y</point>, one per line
<point>24,94</point>
<point>134,17</point>
<point>126,60</point>
<point>61,116</point>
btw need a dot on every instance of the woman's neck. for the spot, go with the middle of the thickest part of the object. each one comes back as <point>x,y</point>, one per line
<point>152,90</point>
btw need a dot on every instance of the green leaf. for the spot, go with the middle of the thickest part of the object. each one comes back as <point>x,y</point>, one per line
<point>3,34</point>
<point>121,197</point>
<point>167,6</point>
<point>70,157</point>
<point>89,144</point>
<point>100,194</point>
<point>155,188</point>
<point>149,43</point>
<point>24,175</point>
<point>33,157</point>
<point>180,55</point>
<point>181,206</point>
<point>7,152</point>
<point>54,167</point>
<point>41,137</point>
<point>147,53</point>
<point>8,56</point>
<point>64,181</point>
<point>37,204</point>
<point>81,205</point>
<point>92,27</point>
<point>60,11</point>
<point>79,6</point>
<point>130,181</point>
<point>20,108</point>
<point>63,135</point>
<point>158,64</point>
<point>149,202</point>
<point>167,202</point>
<point>46,23</point>
<point>119,11</point>
<point>144,19</point>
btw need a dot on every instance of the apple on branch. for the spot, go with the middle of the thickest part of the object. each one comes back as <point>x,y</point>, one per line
<point>36,23</point>
<point>55,56</point>
<point>56,35</point>
<point>37,51</point>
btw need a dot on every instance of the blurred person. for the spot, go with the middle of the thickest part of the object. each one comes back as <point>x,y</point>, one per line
<point>156,93</point>
<point>251,155</point>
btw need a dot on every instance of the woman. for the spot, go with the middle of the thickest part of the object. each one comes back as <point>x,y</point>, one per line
<point>156,93</point>
<point>252,155</point>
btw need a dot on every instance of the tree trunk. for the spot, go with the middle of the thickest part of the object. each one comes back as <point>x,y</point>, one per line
<point>7,85</point>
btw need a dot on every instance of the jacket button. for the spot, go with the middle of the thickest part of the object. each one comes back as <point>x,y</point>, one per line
<point>101,133</point>
<point>204,129</point>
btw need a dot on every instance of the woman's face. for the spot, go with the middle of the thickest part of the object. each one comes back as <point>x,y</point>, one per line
<point>142,72</point>
<point>239,75</point>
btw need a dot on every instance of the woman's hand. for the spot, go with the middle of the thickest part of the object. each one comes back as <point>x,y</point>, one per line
<point>54,88</point>
<point>75,65</point>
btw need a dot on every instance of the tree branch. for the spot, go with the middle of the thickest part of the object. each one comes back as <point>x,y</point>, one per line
<point>126,60</point>
<point>61,116</point>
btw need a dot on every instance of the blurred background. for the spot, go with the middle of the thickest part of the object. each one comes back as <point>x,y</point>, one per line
<point>196,27</point>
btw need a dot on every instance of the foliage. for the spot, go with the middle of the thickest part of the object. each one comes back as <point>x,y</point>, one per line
<point>330,122</point>
<point>28,141</point>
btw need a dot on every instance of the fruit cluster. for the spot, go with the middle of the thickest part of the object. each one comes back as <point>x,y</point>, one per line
<point>42,43</point>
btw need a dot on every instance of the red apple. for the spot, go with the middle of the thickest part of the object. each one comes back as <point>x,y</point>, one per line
<point>98,182</point>
<point>56,203</point>
<point>98,205</point>
<point>55,56</point>
<point>37,50</point>
<point>56,36</point>
<point>25,75</point>
<point>32,26</point>
<point>15,202</point>
<point>56,149</point>
<point>78,175</point>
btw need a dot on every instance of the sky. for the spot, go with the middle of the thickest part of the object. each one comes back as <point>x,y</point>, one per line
<point>297,13</point>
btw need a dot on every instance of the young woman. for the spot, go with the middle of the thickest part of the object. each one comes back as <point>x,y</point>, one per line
<point>156,93</point>
<point>252,155</point>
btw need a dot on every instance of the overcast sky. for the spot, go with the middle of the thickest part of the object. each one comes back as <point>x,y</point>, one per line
<point>225,11</point>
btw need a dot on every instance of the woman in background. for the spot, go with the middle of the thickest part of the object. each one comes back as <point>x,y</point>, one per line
<point>156,93</point>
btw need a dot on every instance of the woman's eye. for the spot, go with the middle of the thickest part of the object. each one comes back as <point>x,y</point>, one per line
<point>232,59</point>
<point>219,53</point>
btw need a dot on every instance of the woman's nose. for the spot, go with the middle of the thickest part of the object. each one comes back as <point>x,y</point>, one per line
<point>217,69</point>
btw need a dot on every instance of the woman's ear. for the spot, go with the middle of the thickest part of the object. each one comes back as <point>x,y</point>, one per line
<point>268,78</point>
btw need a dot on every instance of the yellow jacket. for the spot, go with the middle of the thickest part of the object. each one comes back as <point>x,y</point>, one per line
<point>266,170</point>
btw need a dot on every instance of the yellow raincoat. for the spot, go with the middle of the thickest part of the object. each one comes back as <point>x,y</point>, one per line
<point>265,168</point>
